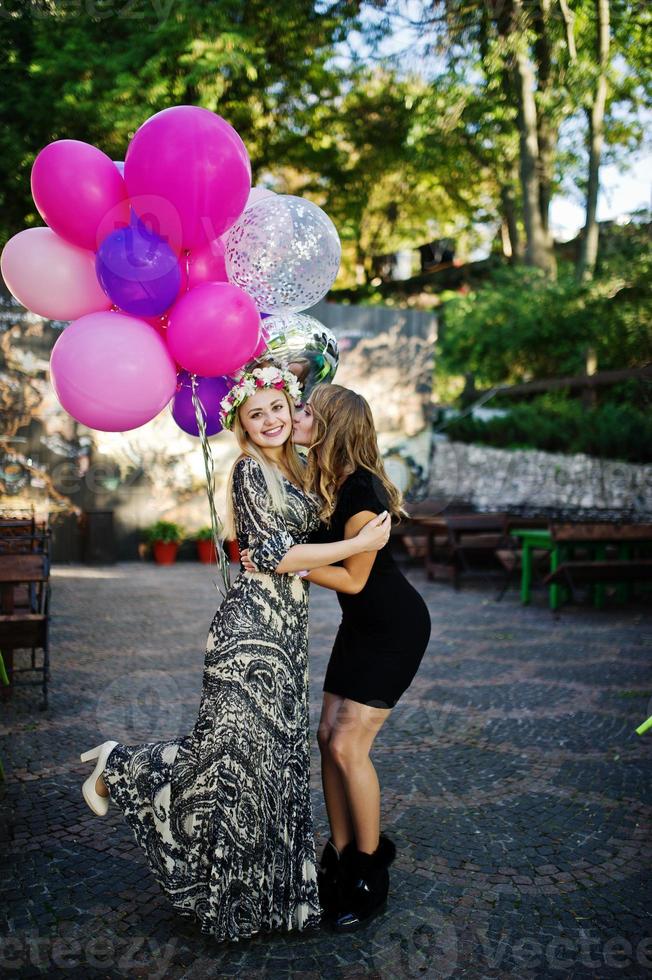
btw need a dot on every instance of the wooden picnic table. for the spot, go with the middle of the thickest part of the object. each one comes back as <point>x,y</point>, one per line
<point>561,539</point>
<point>25,625</point>
<point>432,521</point>
<point>18,569</point>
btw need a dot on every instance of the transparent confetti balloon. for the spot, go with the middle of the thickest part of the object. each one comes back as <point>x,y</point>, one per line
<point>303,345</point>
<point>285,252</point>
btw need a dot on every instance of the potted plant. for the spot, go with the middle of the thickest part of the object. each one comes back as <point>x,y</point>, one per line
<point>205,545</point>
<point>164,537</point>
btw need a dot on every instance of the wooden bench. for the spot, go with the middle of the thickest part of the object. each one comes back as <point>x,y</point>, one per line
<point>25,627</point>
<point>469,546</point>
<point>24,540</point>
<point>612,571</point>
<point>597,567</point>
<point>25,544</point>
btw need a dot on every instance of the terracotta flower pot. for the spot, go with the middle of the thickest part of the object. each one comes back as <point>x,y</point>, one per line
<point>206,552</point>
<point>233,550</point>
<point>165,552</point>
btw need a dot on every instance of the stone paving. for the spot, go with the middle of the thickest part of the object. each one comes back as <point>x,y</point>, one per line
<point>513,784</point>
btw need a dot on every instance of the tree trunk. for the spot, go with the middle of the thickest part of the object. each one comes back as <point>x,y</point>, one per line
<point>361,277</point>
<point>589,244</point>
<point>538,245</point>
<point>538,248</point>
<point>547,151</point>
<point>546,128</point>
<point>512,247</point>
<point>589,394</point>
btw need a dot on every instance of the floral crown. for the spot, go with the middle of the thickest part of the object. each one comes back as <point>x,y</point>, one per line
<point>249,384</point>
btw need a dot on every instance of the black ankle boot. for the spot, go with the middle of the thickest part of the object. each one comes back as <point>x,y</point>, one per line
<point>364,885</point>
<point>327,878</point>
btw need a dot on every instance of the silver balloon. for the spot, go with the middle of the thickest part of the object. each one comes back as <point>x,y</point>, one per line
<point>301,344</point>
<point>284,252</point>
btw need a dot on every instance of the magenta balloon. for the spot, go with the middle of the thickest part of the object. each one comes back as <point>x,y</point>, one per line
<point>77,189</point>
<point>112,372</point>
<point>206,264</point>
<point>50,276</point>
<point>194,160</point>
<point>213,329</point>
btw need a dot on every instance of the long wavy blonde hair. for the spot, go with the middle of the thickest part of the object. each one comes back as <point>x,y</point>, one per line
<point>275,485</point>
<point>344,438</point>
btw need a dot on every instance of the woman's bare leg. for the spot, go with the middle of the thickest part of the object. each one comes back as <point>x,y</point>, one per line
<point>349,746</point>
<point>337,805</point>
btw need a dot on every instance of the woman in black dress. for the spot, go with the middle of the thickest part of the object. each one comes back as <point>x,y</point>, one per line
<point>381,640</point>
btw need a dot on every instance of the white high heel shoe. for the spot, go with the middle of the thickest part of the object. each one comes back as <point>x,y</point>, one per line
<point>98,804</point>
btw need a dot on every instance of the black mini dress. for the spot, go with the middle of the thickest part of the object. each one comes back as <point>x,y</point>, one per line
<point>385,628</point>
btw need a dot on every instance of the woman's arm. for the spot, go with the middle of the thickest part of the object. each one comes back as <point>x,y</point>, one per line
<point>271,547</point>
<point>370,536</point>
<point>353,577</point>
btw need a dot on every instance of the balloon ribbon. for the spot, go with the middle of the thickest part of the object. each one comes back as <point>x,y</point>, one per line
<point>216,524</point>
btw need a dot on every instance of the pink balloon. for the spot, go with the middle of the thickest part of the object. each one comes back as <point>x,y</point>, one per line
<point>206,264</point>
<point>213,329</point>
<point>195,160</point>
<point>112,372</point>
<point>50,276</point>
<point>160,324</point>
<point>75,187</point>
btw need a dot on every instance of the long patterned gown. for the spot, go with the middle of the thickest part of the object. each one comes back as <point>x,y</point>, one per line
<point>224,814</point>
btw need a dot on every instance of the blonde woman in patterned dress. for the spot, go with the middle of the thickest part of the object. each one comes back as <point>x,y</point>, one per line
<point>224,814</point>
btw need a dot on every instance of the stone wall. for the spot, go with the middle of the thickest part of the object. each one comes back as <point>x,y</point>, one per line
<point>527,481</point>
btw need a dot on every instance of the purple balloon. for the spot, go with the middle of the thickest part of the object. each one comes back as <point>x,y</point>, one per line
<point>138,270</point>
<point>210,392</point>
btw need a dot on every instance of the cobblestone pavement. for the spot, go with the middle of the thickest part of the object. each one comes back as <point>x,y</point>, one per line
<point>519,797</point>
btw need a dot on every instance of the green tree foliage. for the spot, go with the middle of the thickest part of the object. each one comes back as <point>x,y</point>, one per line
<point>521,70</point>
<point>398,153</point>
<point>96,71</point>
<point>383,186</point>
<point>522,326</point>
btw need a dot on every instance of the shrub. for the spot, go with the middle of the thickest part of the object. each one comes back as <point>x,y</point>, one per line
<point>203,534</point>
<point>521,326</point>
<point>557,425</point>
<point>165,531</point>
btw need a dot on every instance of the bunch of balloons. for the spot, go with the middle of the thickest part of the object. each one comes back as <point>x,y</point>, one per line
<point>167,265</point>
